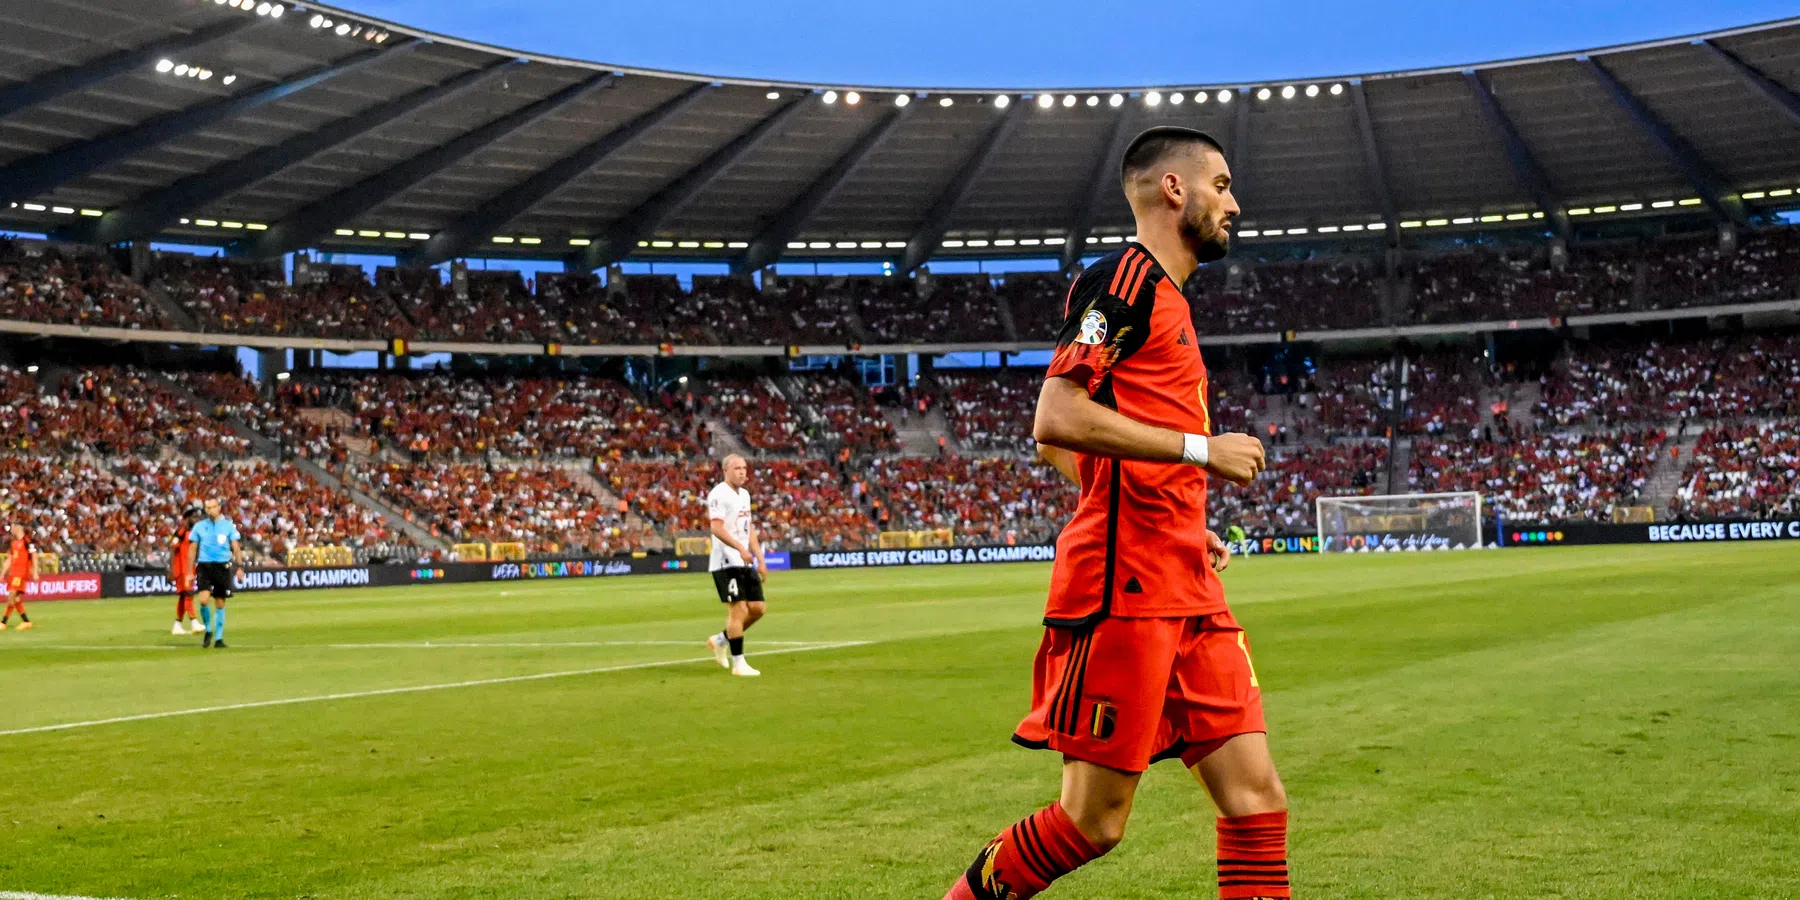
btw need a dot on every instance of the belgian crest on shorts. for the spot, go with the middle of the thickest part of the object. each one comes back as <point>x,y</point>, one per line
<point>1093,328</point>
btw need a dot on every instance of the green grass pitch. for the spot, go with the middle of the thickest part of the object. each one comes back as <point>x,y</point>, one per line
<point>1568,723</point>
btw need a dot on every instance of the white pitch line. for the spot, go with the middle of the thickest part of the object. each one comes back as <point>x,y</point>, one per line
<point>415,689</point>
<point>397,645</point>
<point>27,895</point>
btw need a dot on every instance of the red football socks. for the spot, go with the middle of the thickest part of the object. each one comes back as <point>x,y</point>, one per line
<point>1022,860</point>
<point>1253,856</point>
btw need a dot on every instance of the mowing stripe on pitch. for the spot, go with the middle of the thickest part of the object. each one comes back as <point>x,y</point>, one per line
<point>27,895</point>
<point>414,689</point>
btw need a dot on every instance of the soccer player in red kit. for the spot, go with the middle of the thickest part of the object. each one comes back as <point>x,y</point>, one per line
<point>1141,660</point>
<point>21,569</point>
<point>181,572</point>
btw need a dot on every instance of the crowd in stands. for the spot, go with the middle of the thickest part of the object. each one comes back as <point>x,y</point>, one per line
<point>1235,296</point>
<point>1714,378</point>
<point>1742,471</point>
<point>1281,499</point>
<point>988,500</point>
<point>434,413</point>
<point>544,507</point>
<point>123,510</point>
<point>243,297</point>
<point>1543,479</point>
<point>67,286</point>
<point>108,411</point>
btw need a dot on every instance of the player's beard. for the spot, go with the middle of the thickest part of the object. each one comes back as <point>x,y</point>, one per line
<point>1208,241</point>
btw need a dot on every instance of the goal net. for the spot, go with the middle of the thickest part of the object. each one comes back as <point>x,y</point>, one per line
<point>1400,522</point>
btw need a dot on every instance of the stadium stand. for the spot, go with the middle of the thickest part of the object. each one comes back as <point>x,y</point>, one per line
<point>68,286</point>
<point>1543,479</point>
<point>1742,471</point>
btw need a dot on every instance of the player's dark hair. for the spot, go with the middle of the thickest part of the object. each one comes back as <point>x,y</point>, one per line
<point>1157,144</point>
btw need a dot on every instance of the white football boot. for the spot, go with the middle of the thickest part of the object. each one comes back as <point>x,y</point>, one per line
<point>721,650</point>
<point>741,666</point>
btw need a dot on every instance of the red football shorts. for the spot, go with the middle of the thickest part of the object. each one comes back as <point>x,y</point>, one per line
<point>15,584</point>
<point>1128,692</point>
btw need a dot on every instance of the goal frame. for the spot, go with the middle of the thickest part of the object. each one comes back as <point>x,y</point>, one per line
<point>1319,509</point>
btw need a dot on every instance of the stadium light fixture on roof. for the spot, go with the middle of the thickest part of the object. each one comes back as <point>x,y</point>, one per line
<point>946,101</point>
<point>343,29</point>
<point>1002,101</point>
<point>1068,100</point>
<point>796,245</point>
<point>1662,204</point>
<point>1517,217</point>
<point>902,99</point>
<point>1630,207</point>
<point>976,243</point>
<point>852,98</point>
<point>1353,227</point>
<point>1006,242</point>
<point>1337,89</point>
<point>953,245</point>
<point>1493,218</point>
<point>1287,92</point>
<point>1312,90</point>
<point>1783,192</point>
<point>1264,94</point>
<point>1753,195</point>
<point>92,213</point>
<point>63,210</point>
<point>417,236</point>
<point>819,245</point>
<point>1055,241</point>
<point>870,245</point>
<point>502,239</point>
<point>662,245</point>
<point>1093,100</point>
<point>773,95</point>
<point>1463,220</point>
<point>580,242</point>
<point>1045,101</point>
<point>830,97</point>
<point>1116,101</point>
<point>738,245</point>
<point>165,66</point>
<point>1609,208</point>
<point>1223,97</point>
<point>894,245</point>
<point>1154,98</point>
<point>340,232</point>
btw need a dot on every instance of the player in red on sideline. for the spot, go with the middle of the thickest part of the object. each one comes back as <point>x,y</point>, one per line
<point>21,570</point>
<point>1141,659</point>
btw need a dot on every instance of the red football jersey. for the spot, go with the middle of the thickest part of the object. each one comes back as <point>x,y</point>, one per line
<point>20,558</point>
<point>1136,545</point>
<point>179,547</point>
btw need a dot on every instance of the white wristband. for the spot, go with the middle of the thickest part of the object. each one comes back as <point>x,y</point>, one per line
<point>1194,449</point>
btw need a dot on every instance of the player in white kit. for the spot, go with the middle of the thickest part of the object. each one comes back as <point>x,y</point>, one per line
<point>738,567</point>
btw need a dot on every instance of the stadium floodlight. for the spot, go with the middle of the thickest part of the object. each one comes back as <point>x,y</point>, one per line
<point>1493,218</point>
<point>1200,96</point>
<point>31,370</point>
<point>1002,101</point>
<point>1045,101</point>
<point>819,245</point>
<point>1223,97</point>
<point>368,234</point>
<point>1112,239</point>
<point>262,9</point>
<point>1093,239</point>
<point>1154,98</point>
<point>1287,92</point>
<point>1175,99</point>
<point>258,226</point>
<point>1312,90</point>
<point>206,74</point>
<point>946,101</point>
<point>1377,226</point>
<point>1630,207</point>
<point>1068,100</point>
<point>1273,232</point>
<point>688,245</point>
<point>1463,220</point>
<point>1116,101</point>
<point>316,20</point>
<point>586,242</point>
<point>340,232</point>
<point>1337,89</point>
<point>902,99</point>
<point>1753,195</point>
<point>953,245</point>
<point>203,223</point>
<point>1517,217</point>
<point>773,95</point>
<point>1055,241</point>
<point>283,376</point>
<point>894,245</point>
<point>1030,242</point>
<point>390,235</point>
<point>738,245</point>
<point>1297,231</point>
<point>228,79</point>
<point>1581,211</point>
<point>792,245</point>
<point>829,98</point>
<point>92,213</point>
<point>1779,192</point>
<point>1249,232</point>
<point>1689,201</point>
<point>276,10</point>
<point>1328,229</point>
<point>417,236</point>
<point>870,245</point>
<point>1399,522</point>
<point>1093,100</point>
<point>165,66</point>
<point>63,210</point>
<point>502,239</point>
<point>1436,223</point>
<point>1606,209</point>
<point>181,70</point>
<point>1662,204</point>
<point>343,29</point>
<point>1412,223</point>
<point>976,243</point>
<point>662,245</point>
<point>1006,242</point>
<point>1353,228</point>
<point>1264,94</point>
<point>852,98</point>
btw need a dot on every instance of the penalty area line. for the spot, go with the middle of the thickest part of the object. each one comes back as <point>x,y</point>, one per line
<point>412,689</point>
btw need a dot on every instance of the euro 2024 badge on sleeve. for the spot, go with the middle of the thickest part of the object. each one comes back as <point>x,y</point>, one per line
<point>1093,328</point>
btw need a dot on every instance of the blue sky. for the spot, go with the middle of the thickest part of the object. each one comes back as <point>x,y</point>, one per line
<point>1059,43</point>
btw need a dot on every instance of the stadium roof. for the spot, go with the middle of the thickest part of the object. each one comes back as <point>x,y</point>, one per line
<point>272,127</point>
